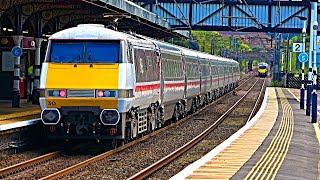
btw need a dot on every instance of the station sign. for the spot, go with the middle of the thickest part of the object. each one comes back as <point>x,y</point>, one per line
<point>6,42</point>
<point>16,51</point>
<point>28,43</point>
<point>303,57</point>
<point>318,43</point>
<point>297,47</point>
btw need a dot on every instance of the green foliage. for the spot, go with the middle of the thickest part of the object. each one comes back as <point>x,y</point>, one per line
<point>245,47</point>
<point>276,84</point>
<point>244,64</point>
<point>257,49</point>
<point>177,41</point>
<point>211,41</point>
<point>255,62</point>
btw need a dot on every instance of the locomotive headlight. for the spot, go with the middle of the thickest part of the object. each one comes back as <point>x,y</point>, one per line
<point>56,93</point>
<point>109,117</point>
<point>106,93</point>
<point>124,93</point>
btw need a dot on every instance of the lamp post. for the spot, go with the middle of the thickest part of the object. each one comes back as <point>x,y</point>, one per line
<point>304,32</point>
<point>314,92</point>
<point>282,61</point>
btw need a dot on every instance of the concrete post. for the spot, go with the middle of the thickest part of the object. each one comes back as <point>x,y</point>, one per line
<point>36,90</point>
<point>16,76</point>
<point>309,85</point>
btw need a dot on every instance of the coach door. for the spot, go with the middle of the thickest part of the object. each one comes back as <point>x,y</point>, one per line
<point>184,76</point>
<point>200,74</point>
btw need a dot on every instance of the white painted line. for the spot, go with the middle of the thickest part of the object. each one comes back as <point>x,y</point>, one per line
<point>19,124</point>
<point>196,165</point>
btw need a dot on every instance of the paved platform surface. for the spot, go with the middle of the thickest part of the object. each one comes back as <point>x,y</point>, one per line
<point>26,109</point>
<point>289,151</point>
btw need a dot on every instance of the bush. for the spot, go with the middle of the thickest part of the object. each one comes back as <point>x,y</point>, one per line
<point>276,84</point>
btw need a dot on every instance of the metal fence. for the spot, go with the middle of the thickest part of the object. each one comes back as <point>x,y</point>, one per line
<point>292,81</point>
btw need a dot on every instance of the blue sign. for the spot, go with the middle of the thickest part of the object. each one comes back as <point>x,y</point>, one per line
<point>303,57</point>
<point>16,51</point>
<point>318,59</point>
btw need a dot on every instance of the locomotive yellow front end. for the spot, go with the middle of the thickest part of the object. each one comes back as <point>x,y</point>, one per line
<point>83,88</point>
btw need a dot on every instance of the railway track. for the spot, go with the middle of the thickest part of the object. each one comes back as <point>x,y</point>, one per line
<point>174,155</point>
<point>37,161</point>
<point>21,166</point>
<point>28,164</point>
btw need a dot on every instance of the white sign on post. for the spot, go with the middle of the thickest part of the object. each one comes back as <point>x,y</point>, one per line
<point>297,47</point>
<point>318,43</point>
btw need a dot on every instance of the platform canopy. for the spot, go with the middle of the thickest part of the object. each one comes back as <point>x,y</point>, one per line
<point>36,18</point>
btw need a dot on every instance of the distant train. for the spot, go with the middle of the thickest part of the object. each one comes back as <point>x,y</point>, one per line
<point>262,69</point>
<point>101,84</point>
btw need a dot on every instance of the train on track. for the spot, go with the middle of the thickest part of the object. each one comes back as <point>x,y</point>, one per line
<point>262,69</point>
<point>101,84</point>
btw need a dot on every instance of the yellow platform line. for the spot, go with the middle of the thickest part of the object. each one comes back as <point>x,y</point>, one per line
<point>227,162</point>
<point>273,157</point>
<point>19,114</point>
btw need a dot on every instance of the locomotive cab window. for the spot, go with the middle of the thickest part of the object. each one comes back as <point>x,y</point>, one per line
<point>84,52</point>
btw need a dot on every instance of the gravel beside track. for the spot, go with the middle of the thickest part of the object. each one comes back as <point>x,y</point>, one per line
<point>9,160</point>
<point>130,161</point>
<point>50,167</point>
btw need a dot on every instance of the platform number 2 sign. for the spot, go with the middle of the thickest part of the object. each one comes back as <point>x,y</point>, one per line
<point>297,47</point>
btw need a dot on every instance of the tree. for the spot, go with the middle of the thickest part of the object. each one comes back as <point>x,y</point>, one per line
<point>210,41</point>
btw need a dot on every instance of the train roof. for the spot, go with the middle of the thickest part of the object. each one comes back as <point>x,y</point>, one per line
<point>90,31</point>
<point>99,32</point>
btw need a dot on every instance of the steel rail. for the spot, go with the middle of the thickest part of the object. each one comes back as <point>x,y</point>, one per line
<point>254,109</point>
<point>164,161</point>
<point>78,166</point>
<point>27,164</point>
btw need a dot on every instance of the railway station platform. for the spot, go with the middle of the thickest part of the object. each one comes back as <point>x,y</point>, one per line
<point>280,142</point>
<point>26,109</point>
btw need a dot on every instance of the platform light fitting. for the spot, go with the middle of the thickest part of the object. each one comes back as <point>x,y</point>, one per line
<point>108,15</point>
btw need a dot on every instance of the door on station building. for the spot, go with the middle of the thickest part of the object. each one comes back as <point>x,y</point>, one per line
<point>24,64</point>
<point>6,74</point>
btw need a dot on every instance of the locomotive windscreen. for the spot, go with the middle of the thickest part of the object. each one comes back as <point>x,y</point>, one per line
<point>262,67</point>
<point>84,52</point>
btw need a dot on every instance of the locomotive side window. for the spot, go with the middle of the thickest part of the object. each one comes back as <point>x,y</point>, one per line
<point>84,52</point>
<point>145,64</point>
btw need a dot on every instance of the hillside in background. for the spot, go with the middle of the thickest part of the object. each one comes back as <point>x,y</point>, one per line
<point>258,41</point>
